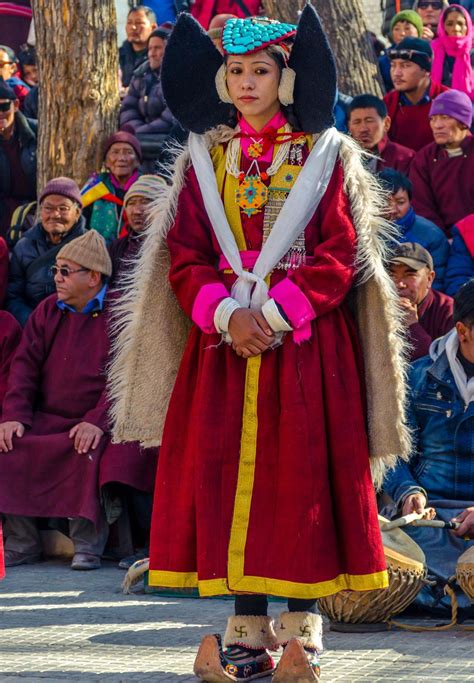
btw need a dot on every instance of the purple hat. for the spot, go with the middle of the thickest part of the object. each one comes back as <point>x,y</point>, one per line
<point>124,137</point>
<point>64,187</point>
<point>453,103</point>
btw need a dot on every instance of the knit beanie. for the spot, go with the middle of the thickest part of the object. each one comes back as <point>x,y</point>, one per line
<point>148,186</point>
<point>89,251</point>
<point>6,93</point>
<point>453,103</point>
<point>422,54</point>
<point>411,17</point>
<point>124,137</point>
<point>66,187</point>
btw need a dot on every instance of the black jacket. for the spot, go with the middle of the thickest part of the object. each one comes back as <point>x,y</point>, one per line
<point>27,129</point>
<point>129,61</point>
<point>28,286</point>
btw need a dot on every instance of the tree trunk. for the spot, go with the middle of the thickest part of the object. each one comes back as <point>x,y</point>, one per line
<point>76,42</point>
<point>345,24</point>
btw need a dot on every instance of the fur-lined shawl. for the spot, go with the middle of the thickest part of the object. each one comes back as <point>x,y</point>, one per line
<point>151,330</point>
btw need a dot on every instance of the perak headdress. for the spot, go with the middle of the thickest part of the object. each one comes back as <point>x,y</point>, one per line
<point>193,70</point>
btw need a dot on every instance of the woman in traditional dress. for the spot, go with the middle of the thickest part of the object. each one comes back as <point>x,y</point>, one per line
<point>264,483</point>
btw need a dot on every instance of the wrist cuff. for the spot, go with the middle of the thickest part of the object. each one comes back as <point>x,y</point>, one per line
<point>223,312</point>
<point>274,318</point>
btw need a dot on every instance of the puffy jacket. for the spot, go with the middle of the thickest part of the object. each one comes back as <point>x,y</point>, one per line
<point>442,462</point>
<point>460,266</point>
<point>144,108</point>
<point>414,228</point>
<point>27,129</point>
<point>26,291</point>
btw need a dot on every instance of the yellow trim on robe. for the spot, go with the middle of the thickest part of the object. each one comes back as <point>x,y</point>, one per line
<point>206,587</point>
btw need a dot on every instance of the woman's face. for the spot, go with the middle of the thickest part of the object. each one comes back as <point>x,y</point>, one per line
<point>252,81</point>
<point>455,24</point>
<point>403,29</point>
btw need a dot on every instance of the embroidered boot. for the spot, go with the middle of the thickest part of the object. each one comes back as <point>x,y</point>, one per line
<point>300,633</point>
<point>245,656</point>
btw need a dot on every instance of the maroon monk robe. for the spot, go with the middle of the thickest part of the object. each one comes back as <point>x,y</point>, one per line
<point>411,123</point>
<point>394,156</point>
<point>443,186</point>
<point>3,270</point>
<point>10,335</point>
<point>435,318</point>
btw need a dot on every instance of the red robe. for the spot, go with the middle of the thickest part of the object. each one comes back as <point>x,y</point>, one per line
<point>263,483</point>
<point>10,335</point>
<point>205,10</point>
<point>57,379</point>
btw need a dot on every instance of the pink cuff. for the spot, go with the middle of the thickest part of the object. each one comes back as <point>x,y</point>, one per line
<point>296,306</point>
<point>205,304</point>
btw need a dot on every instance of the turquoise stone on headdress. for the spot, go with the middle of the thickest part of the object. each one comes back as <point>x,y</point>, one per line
<point>244,36</point>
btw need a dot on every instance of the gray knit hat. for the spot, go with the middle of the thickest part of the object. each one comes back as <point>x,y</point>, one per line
<point>148,186</point>
<point>89,251</point>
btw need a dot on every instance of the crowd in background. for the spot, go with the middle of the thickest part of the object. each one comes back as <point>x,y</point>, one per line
<point>417,138</point>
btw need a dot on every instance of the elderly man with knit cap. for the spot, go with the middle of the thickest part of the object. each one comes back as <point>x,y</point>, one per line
<point>103,193</point>
<point>54,417</point>
<point>442,173</point>
<point>137,203</point>
<point>60,221</point>
<point>408,105</point>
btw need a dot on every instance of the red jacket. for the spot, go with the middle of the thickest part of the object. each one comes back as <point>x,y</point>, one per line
<point>393,155</point>
<point>411,123</point>
<point>443,186</point>
<point>205,10</point>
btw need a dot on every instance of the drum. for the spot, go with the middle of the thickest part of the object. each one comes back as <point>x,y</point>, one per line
<point>465,573</point>
<point>406,568</point>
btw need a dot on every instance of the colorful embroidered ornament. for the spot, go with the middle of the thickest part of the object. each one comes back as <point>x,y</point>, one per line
<point>252,194</point>
<point>244,36</point>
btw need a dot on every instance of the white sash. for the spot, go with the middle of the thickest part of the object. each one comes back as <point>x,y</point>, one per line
<point>250,288</point>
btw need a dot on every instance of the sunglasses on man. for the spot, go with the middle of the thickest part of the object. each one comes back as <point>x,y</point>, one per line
<point>64,271</point>
<point>5,106</point>
<point>433,5</point>
<point>407,55</point>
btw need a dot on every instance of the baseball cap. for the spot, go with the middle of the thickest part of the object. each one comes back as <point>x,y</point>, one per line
<point>412,255</point>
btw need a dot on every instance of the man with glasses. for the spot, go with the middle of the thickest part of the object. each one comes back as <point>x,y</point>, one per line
<point>54,418</point>
<point>17,156</point>
<point>60,221</point>
<point>408,105</point>
<point>430,12</point>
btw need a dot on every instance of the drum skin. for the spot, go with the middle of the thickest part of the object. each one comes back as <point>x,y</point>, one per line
<point>406,568</point>
<point>465,573</point>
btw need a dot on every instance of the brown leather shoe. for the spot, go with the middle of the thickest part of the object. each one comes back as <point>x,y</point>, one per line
<point>13,558</point>
<point>84,561</point>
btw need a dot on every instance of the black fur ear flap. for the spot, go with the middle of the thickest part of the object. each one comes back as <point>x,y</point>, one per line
<point>316,77</point>
<point>188,73</point>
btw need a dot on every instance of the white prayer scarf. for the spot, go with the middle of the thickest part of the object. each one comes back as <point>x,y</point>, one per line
<point>250,288</point>
<point>465,386</point>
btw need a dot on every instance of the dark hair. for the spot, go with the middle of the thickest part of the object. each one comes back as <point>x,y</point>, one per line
<point>451,10</point>
<point>27,56</point>
<point>149,13</point>
<point>367,101</point>
<point>11,53</point>
<point>393,181</point>
<point>159,33</point>
<point>463,310</point>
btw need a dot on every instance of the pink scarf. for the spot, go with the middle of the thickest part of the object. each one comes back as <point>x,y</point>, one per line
<point>460,48</point>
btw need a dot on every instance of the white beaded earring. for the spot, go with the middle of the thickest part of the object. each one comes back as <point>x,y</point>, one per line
<point>287,86</point>
<point>221,85</point>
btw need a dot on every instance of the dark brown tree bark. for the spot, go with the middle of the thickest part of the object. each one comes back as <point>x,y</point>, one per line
<point>345,24</point>
<point>76,42</point>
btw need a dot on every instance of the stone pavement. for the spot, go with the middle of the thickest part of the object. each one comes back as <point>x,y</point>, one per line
<point>56,624</point>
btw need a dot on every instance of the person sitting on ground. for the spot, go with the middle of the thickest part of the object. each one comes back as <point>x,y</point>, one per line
<point>453,56</point>
<point>144,111</point>
<point>443,172</point>
<point>9,70</point>
<point>369,123</point>
<point>409,104</point>
<point>460,267</point>
<point>429,313</point>
<point>439,474</point>
<point>55,414</point>
<point>103,193</point>
<point>405,24</point>
<point>430,13</point>
<point>28,64</point>
<point>136,204</point>
<point>141,21</point>
<point>60,221</point>
<point>413,228</point>
<point>17,157</point>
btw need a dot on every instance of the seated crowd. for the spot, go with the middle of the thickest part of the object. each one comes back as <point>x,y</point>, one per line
<point>62,262</point>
